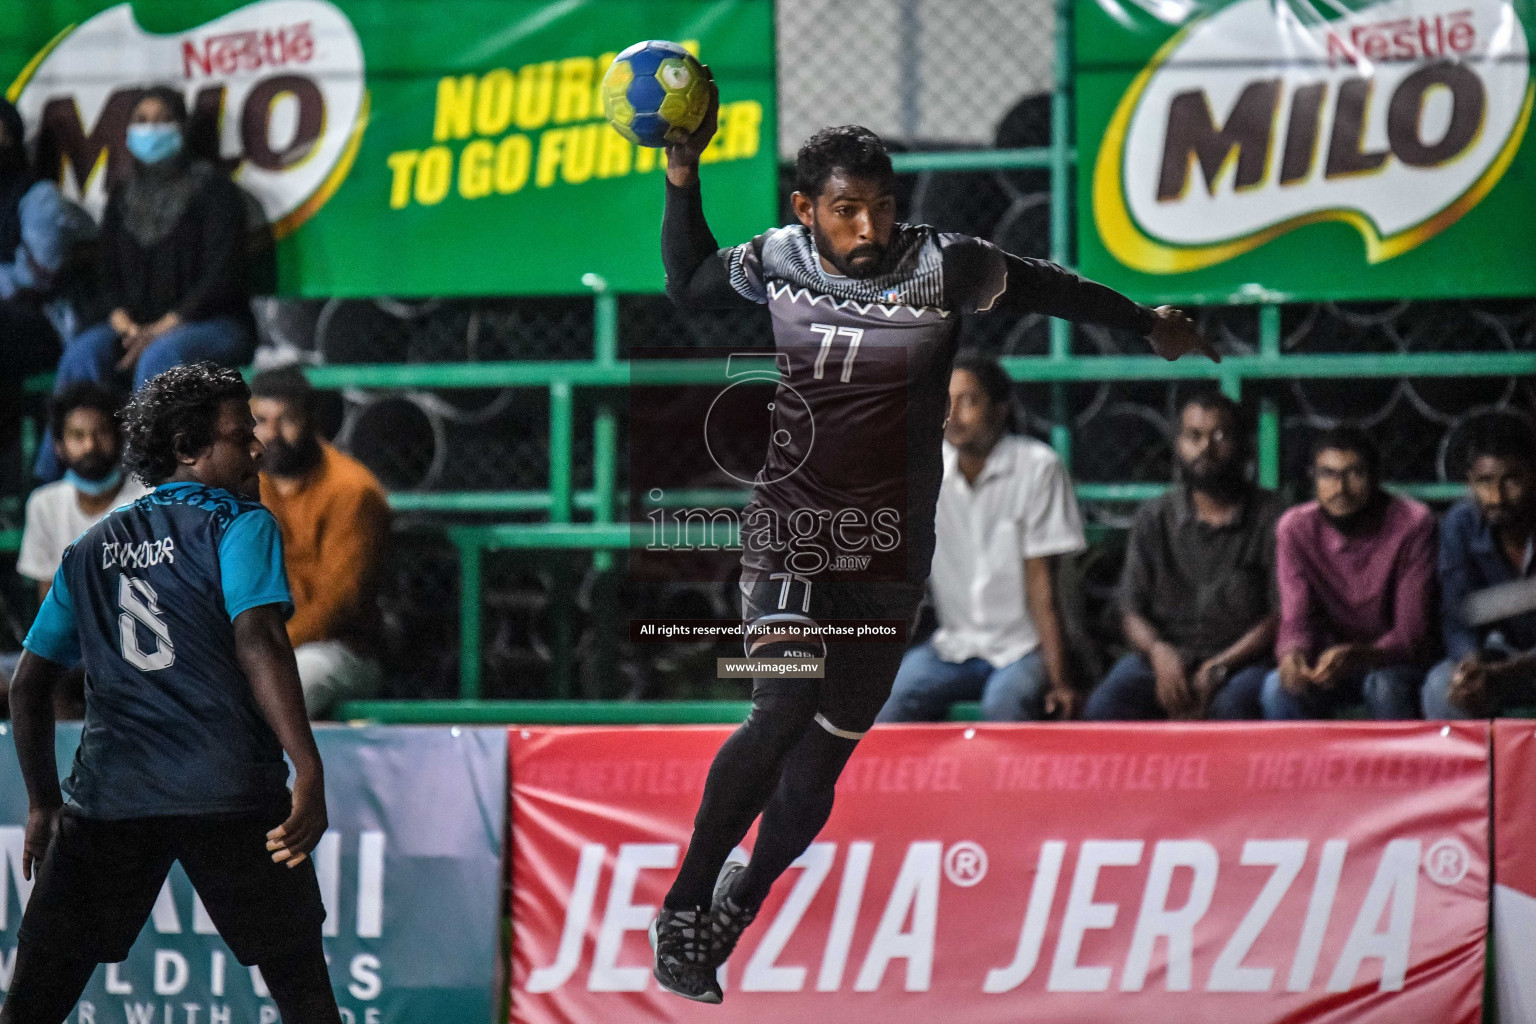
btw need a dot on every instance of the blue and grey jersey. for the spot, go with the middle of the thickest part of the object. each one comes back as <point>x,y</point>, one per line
<point>147,599</point>
<point>858,417</point>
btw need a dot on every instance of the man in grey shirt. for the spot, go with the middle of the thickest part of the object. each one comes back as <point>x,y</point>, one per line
<point>1198,597</point>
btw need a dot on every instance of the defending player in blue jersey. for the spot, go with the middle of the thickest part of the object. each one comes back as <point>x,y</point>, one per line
<point>176,604</point>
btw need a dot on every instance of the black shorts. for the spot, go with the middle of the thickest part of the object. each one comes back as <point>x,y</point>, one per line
<point>99,880</point>
<point>858,674</point>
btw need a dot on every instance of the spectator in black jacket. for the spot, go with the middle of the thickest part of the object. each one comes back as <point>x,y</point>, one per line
<point>174,263</point>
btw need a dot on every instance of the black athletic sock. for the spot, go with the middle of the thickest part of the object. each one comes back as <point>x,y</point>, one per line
<point>300,984</point>
<point>45,986</point>
<point>740,782</point>
<point>799,808</point>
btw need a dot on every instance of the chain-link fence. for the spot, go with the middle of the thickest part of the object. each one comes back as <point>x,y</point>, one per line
<point>498,440</point>
<point>916,72</point>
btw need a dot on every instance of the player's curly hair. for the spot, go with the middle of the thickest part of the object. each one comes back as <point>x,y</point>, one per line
<point>850,148</point>
<point>176,411</point>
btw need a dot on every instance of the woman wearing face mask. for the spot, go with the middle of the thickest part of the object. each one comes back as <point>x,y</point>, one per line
<point>174,264</point>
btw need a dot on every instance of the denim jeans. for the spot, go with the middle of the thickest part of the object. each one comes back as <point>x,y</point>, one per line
<point>1389,694</point>
<point>93,355</point>
<point>1437,685</point>
<point>926,685</point>
<point>1129,694</point>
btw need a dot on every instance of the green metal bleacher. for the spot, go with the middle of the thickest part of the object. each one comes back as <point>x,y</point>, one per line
<point>590,520</point>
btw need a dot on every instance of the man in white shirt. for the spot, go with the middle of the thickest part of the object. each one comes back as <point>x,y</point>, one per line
<point>90,447</point>
<point>1005,512</point>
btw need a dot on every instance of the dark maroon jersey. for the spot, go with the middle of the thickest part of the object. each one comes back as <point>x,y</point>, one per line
<point>852,472</point>
<point>851,475</point>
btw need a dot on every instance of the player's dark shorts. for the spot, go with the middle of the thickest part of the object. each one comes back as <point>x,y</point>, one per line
<point>99,880</point>
<point>858,674</point>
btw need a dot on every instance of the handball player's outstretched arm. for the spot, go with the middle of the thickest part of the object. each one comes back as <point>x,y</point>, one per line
<point>697,277</point>
<point>32,717</point>
<point>261,645</point>
<point>1040,286</point>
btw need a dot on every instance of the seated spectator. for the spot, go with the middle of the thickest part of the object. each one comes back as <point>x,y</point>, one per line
<point>1356,572</point>
<point>39,230</point>
<point>1488,539</point>
<point>1197,595</point>
<point>1005,511</point>
<point>89,443</point>
<point>334,519</point>
<point>90,447</point>
<point>173,251</point>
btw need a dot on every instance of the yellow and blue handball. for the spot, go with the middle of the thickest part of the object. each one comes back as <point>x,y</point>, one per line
<point>655,93</point>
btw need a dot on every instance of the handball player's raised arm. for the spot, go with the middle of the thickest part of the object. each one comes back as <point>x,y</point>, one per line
<point>698,271</point>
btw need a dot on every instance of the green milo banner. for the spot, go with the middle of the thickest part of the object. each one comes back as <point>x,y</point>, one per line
<point>410,871</point>
<point>452,147</point>
<point>1302,149</point>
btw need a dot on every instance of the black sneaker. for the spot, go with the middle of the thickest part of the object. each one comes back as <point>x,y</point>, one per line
<point>681,939</point>
<point>728,917</point>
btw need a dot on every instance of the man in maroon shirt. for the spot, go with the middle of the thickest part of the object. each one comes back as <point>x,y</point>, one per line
<point>1356,572</point>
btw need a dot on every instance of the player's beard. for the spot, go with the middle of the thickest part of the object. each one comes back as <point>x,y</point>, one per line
<point>283,459</point>
<point>845,263</point>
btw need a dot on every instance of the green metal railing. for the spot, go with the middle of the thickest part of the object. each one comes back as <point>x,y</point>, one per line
<point>604,533</point>
<point>590,520</point>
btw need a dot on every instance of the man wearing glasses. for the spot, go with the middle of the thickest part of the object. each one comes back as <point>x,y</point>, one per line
<point>1356,573</point>
<point>1197,598</point>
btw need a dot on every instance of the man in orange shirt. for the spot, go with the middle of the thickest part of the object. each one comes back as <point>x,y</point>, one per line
<point>334,518</point>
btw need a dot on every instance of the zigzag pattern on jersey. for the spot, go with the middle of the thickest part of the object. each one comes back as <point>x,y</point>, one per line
<point>789,257</point>
<point>806,295</point>
<point>745,271</point>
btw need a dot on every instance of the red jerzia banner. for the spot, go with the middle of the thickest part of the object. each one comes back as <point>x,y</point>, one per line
<point>1049,873</point>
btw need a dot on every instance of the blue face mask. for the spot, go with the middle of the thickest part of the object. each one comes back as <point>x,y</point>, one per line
<point>154,143</point>
<point>94,487</point>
